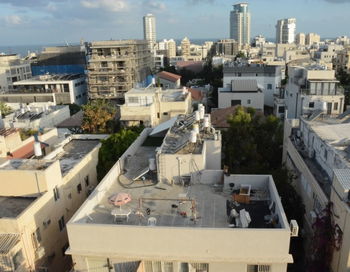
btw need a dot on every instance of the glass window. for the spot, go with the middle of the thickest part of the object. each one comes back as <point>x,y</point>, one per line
<point>249,101</point>
<point>269,86</point>
<point>56,193</point>
<point>79,188</point>
<point>336,106</point>
<point>311,104</point>
<point>87,182</point>
<point>61,223</point>
<point>133,99</point>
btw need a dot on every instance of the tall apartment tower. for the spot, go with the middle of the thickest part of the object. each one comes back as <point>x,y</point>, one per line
<point>117,66</point>
<point>312,38</point>
<point>185,48</point>
<point>240,24</point>
<point>285,30</point>
<point>149,29</point>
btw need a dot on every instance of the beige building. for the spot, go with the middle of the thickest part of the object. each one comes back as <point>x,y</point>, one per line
<point>312,38</point>
<point>181,216</point>
<point>316,150</point>
<point>342,60</point>
<point>38,196</point>
<point>185,48</point>
<point>300,39</point>
<point>12,69</point>
<point>116,66</point>
<point>151,106</point>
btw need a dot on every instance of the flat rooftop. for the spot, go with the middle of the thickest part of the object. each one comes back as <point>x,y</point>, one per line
<point>26,164</point>
<point>195,203</point>
<point>169,95</point>
<point>74,152</point>
<point>11,207</point>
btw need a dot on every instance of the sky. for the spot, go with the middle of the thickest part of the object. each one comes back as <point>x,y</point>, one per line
<point>26,22</point>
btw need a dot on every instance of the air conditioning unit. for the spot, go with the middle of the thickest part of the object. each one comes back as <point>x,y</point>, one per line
<point>313,216</point>
<point>294,228</point>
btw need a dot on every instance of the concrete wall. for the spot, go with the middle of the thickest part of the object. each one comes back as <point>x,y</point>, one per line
<point>256,99</point>
<point>9,143</point>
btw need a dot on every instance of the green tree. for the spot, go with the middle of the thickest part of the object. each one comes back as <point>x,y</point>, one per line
<point>113,147</point>
<point>74,108</point>
<point>98,117</point>
<point>4,109</point>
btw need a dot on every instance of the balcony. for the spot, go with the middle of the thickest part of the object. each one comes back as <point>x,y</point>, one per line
<point>339,90</point>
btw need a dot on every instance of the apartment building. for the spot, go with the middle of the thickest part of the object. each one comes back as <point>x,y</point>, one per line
<point>313,87</point>
<point>240,24</point>
<point>12,69</point>
<point>149,30</point>
<point>326,53</point>
<point>168,80</point>
<point>117,66</point>
<point>244,92</point>
<point>312,38</point>
<point>342,60</point>
<point>38,196</point>
<point>300,39</point>
<point>285,30</point>
<point>36,117</point>
<point>48,89</point>
<point>227,47</point>
<point>151,106</point>
<point>316,149</point>
<point>66,59</point>
<point>185,48</point>
<point>267,76</point>
<point>179,215</point>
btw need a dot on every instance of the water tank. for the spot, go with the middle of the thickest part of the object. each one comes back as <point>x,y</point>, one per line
<point>152,164</point>
<point>196,128</point>
<point>206,122</point>
<point>37,149</point>
<point>184,90</point>
<point>193,138</point>
<point>23,110</point>
<point>197,116</point>
<point>201,111</point>
<point>153,81</point>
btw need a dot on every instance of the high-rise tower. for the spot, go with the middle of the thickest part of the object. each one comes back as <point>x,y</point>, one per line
<point>285,30</point>
<point>149,29</point>
<point>240,24</point>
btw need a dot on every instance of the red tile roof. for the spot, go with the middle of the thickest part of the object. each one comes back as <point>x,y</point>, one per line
<point>168,76</point>
<point>24,152</point>
<point>196,95</point>
<point>219,117</point>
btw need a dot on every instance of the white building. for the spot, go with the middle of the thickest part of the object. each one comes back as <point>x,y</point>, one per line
<point>49,89</point>
<point>285,30</point>
<point>240,24</point>
<point>149,29</point>
<point>267,76</point>
<point>34,117</point>
<point>12,69</point>
<point>312,38</point>
<point>181,216</point>
<point>317,150</point>
<point>168,80</point>
<point>244,92</point>
<point>313,87</point>
<point>151,106</point>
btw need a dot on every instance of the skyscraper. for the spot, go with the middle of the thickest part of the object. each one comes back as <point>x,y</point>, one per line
<point>240,24</point>
<point>149,29</point>
<point>285,30</point>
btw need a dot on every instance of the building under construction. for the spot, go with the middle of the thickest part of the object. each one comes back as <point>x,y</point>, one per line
<point>116,66</point>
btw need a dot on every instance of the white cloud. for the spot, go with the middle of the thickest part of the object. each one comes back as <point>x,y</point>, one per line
<point>154,5</point>
<point>111,5</point>
<point>13,20</point>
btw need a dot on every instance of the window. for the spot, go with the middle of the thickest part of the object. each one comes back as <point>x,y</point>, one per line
<point>56,193</point>
<point>239,74</point>
<point>36,237</point>
<point>311,104</point>
<point>235,102</point>
<point>269,86</point>
<point>133,99</point>
<point>61,223</point>
<point>281,109</point>
<point>87,182</point>
<point>336,106</point>
<point>158,115</point>
<point>64,248</point>
<point>249,101</point>
<point>79,188</point>
<point>258,268</point>
<point>165,113</point>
